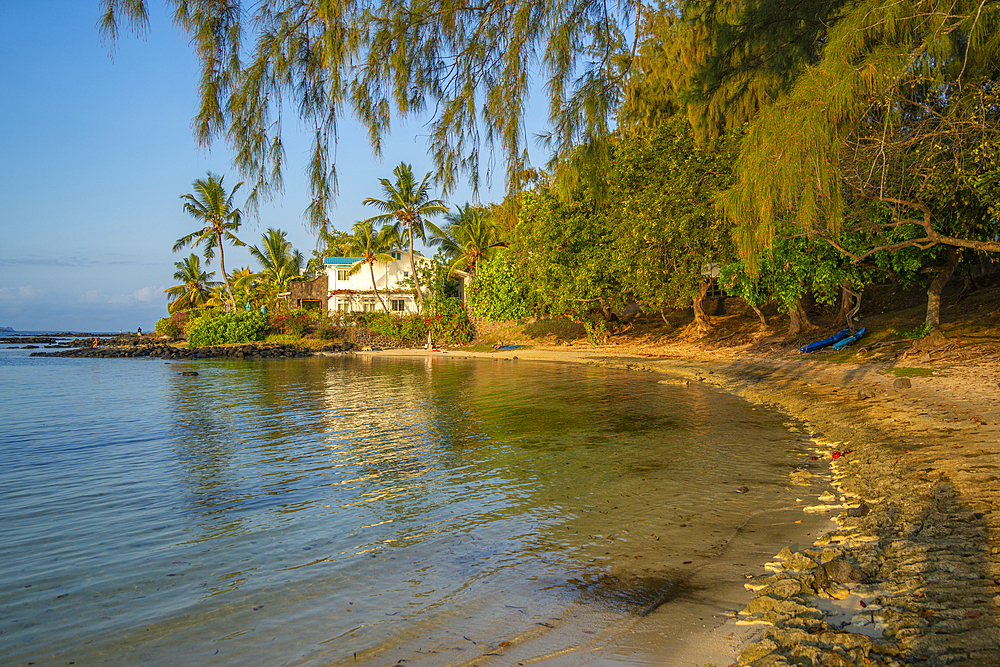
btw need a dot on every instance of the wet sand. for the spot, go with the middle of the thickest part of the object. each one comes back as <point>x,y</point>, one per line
<point>923,467</point>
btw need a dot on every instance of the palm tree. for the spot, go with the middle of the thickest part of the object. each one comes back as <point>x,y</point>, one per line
<point>371,247</point>
<point>195,288</point>
<point>280,262</point>
<point>467,238</point>
<point>244,282</point>
<point>405,205</point>
<point>214,208</point>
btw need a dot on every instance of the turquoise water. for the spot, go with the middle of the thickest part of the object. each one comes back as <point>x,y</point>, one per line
<point>355,510</point>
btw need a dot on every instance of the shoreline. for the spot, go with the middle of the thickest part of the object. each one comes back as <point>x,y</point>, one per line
<point>921,479</point>
<point>919,560</point>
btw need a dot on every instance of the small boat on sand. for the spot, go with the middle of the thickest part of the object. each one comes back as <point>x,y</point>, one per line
<point>850,339</point>
<point>826,342</point>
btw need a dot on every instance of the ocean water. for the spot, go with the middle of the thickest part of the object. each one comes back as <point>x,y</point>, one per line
<point>359,510</point>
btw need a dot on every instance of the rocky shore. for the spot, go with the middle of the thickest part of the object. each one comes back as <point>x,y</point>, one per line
<point>912,575</point>
<point>137,346</point>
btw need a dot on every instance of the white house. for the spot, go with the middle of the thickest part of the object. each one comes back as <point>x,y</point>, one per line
<point>355,293</point>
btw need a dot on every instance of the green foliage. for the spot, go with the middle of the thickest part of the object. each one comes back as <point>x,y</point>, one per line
<point>407,328</point>
<point>916,333</point>
<point>666,229</point>
<point>180,320</point>
<point>471,65</point>
<point>174,325</point>
<point>331,243</point>
<point>228,328</point>
<point>195,288</point>
<point>450,325</point>
<point>872,100</point>
<point>468,238</point>
<point>563,254</point>
<point>437,276</point>
<point>280,263</point>
<point>649,235</point>
<point>294,322</point>
<point>165,327</point>
<point>498,291</point>
<point>326,333</point>
<point>597,332</point>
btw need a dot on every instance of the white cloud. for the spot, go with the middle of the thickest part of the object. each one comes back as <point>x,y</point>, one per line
<point>18,293</point>
<point>144,295</point>
<point>148,294</point>
<point>91,296</point>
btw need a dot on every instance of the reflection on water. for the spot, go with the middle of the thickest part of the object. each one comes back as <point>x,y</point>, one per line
<point>307,511</point>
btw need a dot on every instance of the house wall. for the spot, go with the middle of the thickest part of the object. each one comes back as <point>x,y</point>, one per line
<point>311,290</point>
<point>388,276</point>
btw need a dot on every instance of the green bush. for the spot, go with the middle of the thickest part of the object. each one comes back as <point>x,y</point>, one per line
<point>405,328</point>
<point>295,322</point>
<point>174,325</point>
<point>166,327</point>
<point>497,292</point>
<point>920,331</point>
<point>326,333</point>
<point>241,327</point>
<point>451,325</point>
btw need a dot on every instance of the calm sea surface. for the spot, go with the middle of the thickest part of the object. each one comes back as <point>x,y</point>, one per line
<point>354,510</point>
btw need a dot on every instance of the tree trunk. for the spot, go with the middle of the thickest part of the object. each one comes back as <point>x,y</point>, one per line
<point>845,304</point>
<point>847,309</point>
<point>933,318</point>
<point>371,269</point>
<point>760,316</point>
<point>413,267</point>
<point>702,323</point>
<point>799,320</point>
<point>225,278</point>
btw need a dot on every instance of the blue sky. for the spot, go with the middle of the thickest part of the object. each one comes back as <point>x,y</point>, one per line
<point>98,148</point>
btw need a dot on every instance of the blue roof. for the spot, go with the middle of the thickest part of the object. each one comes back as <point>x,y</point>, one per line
<point>341,260</point>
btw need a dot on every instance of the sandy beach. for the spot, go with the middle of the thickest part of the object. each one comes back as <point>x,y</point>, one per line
<point>910,454</point>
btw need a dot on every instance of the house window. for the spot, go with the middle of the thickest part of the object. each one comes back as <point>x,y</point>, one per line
<point>369,305</point>
<point>341,274</point>
<point>397,256</point>
<point>406,274</point>
<point>715,291</point>
<point>398,305</point>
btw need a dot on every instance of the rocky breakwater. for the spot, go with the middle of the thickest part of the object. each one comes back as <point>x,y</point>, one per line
<point>136,347</point>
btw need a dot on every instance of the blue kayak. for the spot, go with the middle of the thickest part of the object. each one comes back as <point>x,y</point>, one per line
<point>850,339</point>
<point>820,344</point>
